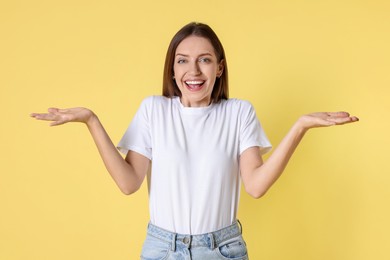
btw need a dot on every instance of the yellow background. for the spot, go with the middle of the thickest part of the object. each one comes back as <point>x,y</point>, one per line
<point>287,57</point>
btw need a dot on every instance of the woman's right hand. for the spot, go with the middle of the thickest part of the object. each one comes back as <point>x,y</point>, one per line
<point>62,116</point>
<point>128,173</point>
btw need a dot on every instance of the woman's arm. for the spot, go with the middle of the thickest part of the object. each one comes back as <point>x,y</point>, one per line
<point>128,173</point>
<point>258,177</point>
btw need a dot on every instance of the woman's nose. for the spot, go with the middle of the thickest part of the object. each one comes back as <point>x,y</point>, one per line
<point>194,69</point>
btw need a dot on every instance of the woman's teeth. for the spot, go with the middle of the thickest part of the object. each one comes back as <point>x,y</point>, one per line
<point>194,84</point>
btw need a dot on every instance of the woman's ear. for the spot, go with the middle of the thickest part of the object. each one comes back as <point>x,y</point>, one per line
<point>221,67</point>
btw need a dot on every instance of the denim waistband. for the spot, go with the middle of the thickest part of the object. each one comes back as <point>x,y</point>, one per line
<point>211,240</point>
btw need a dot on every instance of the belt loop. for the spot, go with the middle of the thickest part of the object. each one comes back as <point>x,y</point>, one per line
<point>212,241</point>
<point>174,242</point>
<point>238,221</point>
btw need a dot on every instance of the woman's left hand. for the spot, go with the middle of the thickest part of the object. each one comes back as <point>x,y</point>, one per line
<point>322,119</point>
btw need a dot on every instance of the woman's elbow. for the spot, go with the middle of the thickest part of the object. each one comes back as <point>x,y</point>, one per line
<point>129,189</point>
<point>256,193</point>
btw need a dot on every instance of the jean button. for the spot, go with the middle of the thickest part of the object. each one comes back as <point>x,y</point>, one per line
<point>186,240</point>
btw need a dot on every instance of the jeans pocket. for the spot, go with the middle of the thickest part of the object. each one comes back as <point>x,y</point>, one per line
<point>233,249</point>
<point>155,249</point>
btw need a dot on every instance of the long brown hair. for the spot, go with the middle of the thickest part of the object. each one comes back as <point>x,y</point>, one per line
<point>170,89</point>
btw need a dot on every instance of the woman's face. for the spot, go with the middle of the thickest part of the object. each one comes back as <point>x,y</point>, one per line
<point>195,70</point>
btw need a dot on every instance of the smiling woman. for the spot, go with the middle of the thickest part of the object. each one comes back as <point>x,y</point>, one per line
<point>202,145</point>
<point>209,52</point>
<point>195,71</point>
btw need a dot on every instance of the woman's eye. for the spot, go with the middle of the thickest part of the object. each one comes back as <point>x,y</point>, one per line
<point>181,61</point>
<point>205,60</point>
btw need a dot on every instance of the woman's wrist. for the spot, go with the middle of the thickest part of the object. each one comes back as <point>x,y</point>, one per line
<point>92,119</point>
<point>300,126</point>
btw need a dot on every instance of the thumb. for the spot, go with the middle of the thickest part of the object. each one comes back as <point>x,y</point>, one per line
<point>325,122</point>
<point>55,110</point>
<point>63,110</point>
<point>52,110</point>
<point>56,123</point>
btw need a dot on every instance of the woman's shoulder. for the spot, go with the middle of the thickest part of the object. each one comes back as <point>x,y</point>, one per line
<point>156,99</point>
<point>237,103</point>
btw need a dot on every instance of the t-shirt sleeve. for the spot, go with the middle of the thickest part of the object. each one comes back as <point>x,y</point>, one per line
<point>252,133</point>
<point>137,137</point>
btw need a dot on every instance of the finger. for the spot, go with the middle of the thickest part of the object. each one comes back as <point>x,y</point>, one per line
<point>56,123</point>
<point>33,114</point>
<point>64,110</point>
<point>324,122</point>
<point>318,122</point>
<point>344,120</point>
<point>41,116</point>
<point>338,114</point>
<point>52,110</point>
<point>57,111</point>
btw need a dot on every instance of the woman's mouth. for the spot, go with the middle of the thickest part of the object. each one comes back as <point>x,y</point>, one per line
<point>194,85</point>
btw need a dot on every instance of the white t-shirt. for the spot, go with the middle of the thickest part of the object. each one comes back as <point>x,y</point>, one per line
<point>195,181</point>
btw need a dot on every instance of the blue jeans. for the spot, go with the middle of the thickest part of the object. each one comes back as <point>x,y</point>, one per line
<point>226,243</point>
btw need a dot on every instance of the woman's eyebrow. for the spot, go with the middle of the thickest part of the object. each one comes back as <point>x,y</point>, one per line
<point>179,54</point>
<point>202,54</point>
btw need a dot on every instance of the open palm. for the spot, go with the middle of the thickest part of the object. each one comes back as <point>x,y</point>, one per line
<point>321,119</point>
<point>62,116</point>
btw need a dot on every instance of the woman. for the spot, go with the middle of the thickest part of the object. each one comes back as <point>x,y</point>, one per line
<point>201,144</point>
